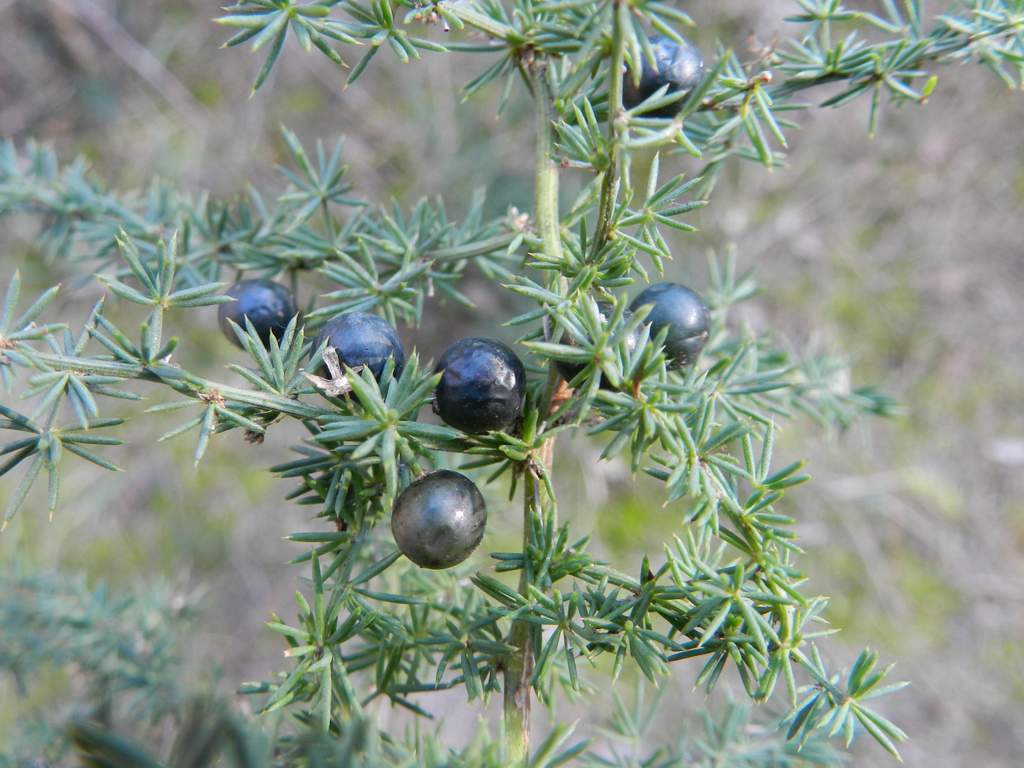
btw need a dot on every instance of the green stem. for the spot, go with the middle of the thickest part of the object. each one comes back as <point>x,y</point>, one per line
<point>546,168</point>
<point>332,232</point>
<point>483,22</point>
<point>640,161</point>
<point>620,18</point>
<point>182,382</point>
<point>519,666</point>
<point>469,250</point>
<point>293,283</point>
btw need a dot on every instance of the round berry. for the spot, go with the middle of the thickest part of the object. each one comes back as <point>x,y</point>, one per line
<point>361,339</point>
<point>680,66</point>
<point>483,386</point>
<point>439,520</point>
<point>570,371</point>
<point>683,312</point>
<point>269,306</point>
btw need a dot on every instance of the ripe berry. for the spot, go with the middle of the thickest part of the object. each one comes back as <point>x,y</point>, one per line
<point>570,371</point>
<point>683,312</point>
<point>483,386</point>
<point>680,66</point>
<point>362,339</point>
<point>268,305</point>
<point>439,520</point>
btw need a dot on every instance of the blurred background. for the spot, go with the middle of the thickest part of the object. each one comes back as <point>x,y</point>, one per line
<point>905,253</point>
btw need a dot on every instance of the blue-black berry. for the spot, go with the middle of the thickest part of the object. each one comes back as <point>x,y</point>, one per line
<point>680,66</point>
<point>439,520</point>
<point>361,339</point>
<point>683,312</point>
<point>269,306</point>
<point>483,386</point>
<point>570,371</point>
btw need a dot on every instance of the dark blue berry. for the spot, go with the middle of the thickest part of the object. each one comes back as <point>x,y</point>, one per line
<point>361,339</point>
<point>269,306</point>
<point>439,520</point>
<point>680,66</point>
<point>570,371</point>
<point>683,312</point>
<point>483,386</point>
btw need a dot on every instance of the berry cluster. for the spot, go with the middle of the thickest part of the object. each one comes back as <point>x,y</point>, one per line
<point>439,519</point>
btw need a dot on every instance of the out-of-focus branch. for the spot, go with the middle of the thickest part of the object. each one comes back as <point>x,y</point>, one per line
<point>98,20</point>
